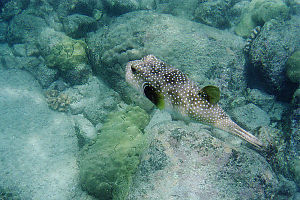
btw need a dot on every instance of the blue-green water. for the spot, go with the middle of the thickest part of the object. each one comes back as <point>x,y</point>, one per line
<point>71,127</point>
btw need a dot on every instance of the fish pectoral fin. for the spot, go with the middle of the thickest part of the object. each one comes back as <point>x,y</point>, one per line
<point>161,103</point>
<point>154,96</point>
<point>210,93</point>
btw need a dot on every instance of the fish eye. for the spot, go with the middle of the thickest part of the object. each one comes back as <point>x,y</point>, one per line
<point>133,69</point>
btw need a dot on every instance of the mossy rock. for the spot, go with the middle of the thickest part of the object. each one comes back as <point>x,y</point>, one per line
<point>67,54</point>
<point>107,166</point>
<point>258,13</point>
<point>296,98</point>
<point>293,67</point>
<point>295,168</point>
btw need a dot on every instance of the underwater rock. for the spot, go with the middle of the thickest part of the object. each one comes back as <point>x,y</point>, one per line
<point>107,165</point>
<point>261,99</point>
<point>42,9</point>
<point>183,9</point>
<point>236,11</point>
<point>76,26</point>
<point>287,187</point>
<point>293,67</point>
<point>93,99</point>
<point>38,146</point>
<point>69,7</point>
<point>34,65</point>
<point>296,97</point>
<point>43,74</point>
<point>203,52</point>
<point>11,62</point>
<point>2,3</point>
<point>251,116</point>
<point>58,85</point>
<point>19,50</point>
<point>294,157</point>
<point>118,7</point>
<point>79,75</point>
<point>269,54</point>
<point>186,162</point>
<point>24,28</point>
<point>148,4</point>
<point>267,103</point>
<point>3,31</point>
<point>16,62</point>
<point>5,50</point>
<point>12,8</point>
<point>66,55</point>
<point>283,150</point>
<point>85,130</point>
<point>294,8</point>
<point>32,50</point>
<point>10,193</point>
<point>295,169</point>
<point>258,13</point>
<point>214,13</point>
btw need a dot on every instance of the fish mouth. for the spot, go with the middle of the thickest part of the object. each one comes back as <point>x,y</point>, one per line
<point>129,77</point>
<point>128,74</point>
<point>133,80</point>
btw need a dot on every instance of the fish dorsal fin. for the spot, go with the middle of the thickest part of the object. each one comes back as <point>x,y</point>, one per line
<point>154,96</point>
<point>210,93</point>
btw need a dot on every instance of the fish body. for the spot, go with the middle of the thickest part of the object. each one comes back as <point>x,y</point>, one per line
<point>169,88</point>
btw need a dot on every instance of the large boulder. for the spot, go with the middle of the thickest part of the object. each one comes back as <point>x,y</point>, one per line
<point>24,28</point>
<point>214,13</point>
<point>117,7</point>
<point>178,8</point>
<point>269,54</point>
<point>187,162</point>
<point>77,26</point>
<point>258,12</point>
<point>206,54</point>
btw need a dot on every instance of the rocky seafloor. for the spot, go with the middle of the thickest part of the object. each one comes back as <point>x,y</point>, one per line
<point>72,128</point>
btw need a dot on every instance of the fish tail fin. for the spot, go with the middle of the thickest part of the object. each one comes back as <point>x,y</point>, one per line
<point>233,128</point>
<point>245,135</point>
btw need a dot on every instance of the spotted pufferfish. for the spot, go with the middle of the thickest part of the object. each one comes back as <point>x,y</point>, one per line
<point>169,88</point>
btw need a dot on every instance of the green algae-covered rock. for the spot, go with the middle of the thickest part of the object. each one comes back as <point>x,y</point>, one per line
<point>295,168</point>
<point>107,166</point>
<point>293,67</point>
<point>64,54</point>
<point>67,54</point>
<point>258,13</point>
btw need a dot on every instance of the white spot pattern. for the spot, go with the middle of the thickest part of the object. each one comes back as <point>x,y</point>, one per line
<point>181,94</point>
